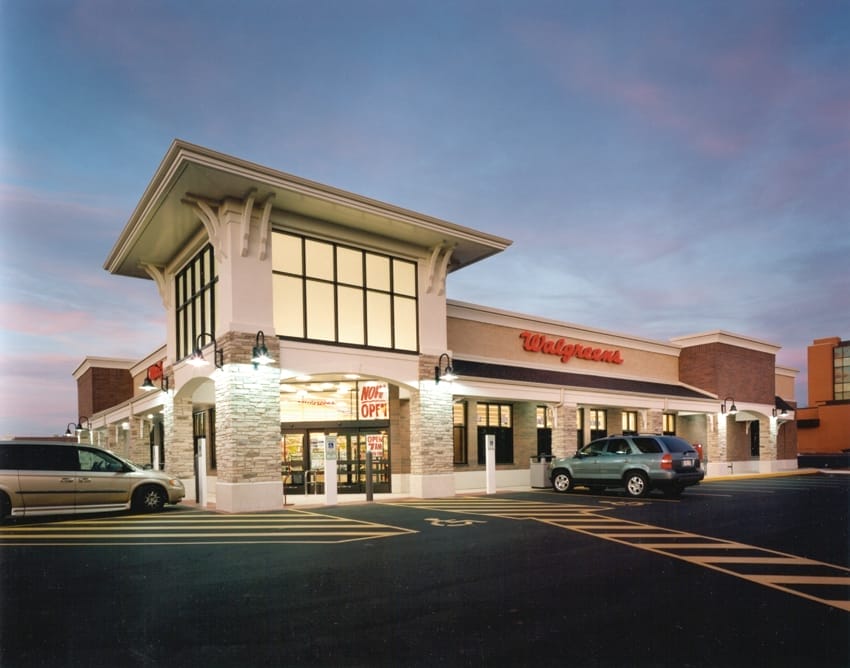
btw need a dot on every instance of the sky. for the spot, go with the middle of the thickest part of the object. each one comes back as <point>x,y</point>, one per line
<point>663,167</point>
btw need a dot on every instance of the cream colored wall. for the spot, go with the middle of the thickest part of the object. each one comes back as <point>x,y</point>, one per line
<point>785,386</point>
<point>476,340</point>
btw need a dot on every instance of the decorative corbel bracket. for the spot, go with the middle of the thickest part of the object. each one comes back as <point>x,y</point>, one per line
<point>157,273</point>
<point>437,267</point>
<point>265,226</point>
<point>247,212</point>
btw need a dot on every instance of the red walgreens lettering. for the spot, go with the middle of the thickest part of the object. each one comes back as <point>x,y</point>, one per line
<point>540,343</point>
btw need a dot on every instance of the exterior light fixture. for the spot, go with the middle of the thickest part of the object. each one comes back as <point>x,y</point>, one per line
<point>782,408</point>
<point>82,425</point>
<point>444,372</point>
<point>732,409</point>
<point>260,354</point>
<point>148,385</point>
<point>197,358</point>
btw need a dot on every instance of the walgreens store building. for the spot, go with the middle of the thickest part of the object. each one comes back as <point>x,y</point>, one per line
<point>346,296</point>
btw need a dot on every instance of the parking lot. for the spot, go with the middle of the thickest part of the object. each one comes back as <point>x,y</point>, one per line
<point>732,568</point>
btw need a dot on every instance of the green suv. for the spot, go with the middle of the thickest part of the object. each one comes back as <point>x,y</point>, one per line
<point>639,463</point>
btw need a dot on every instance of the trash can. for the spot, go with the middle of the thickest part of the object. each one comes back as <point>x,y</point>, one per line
<point>538,468</point>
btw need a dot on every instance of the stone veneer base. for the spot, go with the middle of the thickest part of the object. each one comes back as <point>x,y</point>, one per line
<point>432,486</point>
<point>248,496</point>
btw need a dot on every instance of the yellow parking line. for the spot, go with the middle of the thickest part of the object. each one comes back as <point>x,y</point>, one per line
<point>590,521</point>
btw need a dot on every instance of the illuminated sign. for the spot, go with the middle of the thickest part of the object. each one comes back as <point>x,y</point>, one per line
<point>540,343</point>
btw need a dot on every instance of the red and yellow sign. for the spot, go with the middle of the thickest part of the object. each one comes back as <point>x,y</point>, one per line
<point>374,401</point>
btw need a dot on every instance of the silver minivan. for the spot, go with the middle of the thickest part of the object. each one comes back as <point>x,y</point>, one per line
<point>46,478</point>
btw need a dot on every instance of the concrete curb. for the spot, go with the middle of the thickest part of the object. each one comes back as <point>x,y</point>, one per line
<point>774,474</point>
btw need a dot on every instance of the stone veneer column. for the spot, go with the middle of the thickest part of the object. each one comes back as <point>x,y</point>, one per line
<point>655,419</point>
<point>525,431</point>
<point>247,424</point>
<point>431,445</point>
<point>565,430</point>
<point>140,450</point>
<point>767,443</point>
<point>178,443</point>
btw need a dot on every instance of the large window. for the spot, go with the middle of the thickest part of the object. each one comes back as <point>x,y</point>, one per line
<point>327,292</point>
<point>195,301</point>
<point>496,420</point>
<point>841,373</point>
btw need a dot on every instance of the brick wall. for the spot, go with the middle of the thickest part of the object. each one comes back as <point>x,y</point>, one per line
<point>746,375</point>
<point>99,389</point>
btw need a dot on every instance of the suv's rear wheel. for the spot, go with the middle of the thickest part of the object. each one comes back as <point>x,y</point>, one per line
<point>637,484</point>
<point>562,481</point>
<point>149,499</point>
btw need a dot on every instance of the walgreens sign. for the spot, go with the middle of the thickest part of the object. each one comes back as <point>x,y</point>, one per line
<point>540,343</point>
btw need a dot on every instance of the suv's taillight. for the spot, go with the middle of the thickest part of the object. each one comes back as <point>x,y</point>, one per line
<point>667,462</point>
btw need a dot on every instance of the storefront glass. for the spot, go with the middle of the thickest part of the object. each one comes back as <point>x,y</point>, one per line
<point>357,413</point>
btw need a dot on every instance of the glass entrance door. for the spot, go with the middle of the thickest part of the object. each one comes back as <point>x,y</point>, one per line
<point>353,446</point>
<point>303,461</point>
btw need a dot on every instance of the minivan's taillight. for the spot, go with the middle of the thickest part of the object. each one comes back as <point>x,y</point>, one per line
<point>667,462</point>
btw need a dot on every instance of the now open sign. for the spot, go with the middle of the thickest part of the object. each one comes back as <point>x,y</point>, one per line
<point>374,401</point>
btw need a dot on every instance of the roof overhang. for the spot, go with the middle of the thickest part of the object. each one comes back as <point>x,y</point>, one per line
<point>163,223</point>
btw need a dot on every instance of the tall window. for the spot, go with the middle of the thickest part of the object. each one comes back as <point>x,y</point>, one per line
<point>195,301</point>
<point>669,424</point>
<point>598,423</point>
<point>544,415</point>
<point>459,432</point>
<point>841,373</point>
<point>630,421</point>
<point>580,428</point>
<point>328,292</point>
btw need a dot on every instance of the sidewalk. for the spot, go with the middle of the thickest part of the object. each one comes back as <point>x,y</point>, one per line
<point>318,500</point>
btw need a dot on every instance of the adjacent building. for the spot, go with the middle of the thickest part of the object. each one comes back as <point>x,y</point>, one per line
<point>824,425</point>
<point>308,325</point>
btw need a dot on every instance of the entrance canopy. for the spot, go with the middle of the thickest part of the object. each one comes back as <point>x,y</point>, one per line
<point>577,380</point>
<point>164,221</point>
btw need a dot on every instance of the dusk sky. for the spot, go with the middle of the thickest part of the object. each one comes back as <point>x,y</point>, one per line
<point>663,167</point>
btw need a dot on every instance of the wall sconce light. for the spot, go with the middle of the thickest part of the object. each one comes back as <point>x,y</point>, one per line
<point>782,408</point>
<point>148,385</point>
<point>82,425</point>
<point>197,358</point>
<point>444,373</point>
<point>732,409</point>
<point>260,354</point>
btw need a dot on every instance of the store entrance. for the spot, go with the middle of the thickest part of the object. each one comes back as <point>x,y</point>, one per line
<point>303,460</point>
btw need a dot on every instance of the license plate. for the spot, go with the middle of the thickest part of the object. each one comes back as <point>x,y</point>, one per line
<point>687,462</point>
